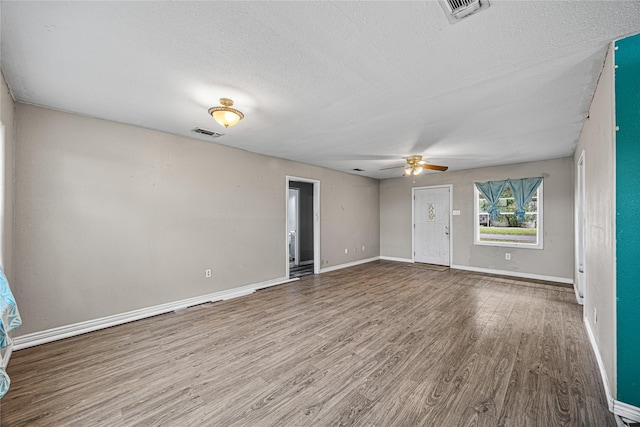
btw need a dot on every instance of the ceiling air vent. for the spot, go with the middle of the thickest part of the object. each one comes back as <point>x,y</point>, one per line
<point>458,9</point>
<point>207,132</point>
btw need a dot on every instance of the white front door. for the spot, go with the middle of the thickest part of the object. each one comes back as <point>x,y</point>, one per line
<point>431,225</point>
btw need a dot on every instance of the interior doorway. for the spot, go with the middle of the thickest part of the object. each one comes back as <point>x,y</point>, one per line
<point>581,278</point>
<point>303,227</point>
<point>293,222</point>
<point>431,225</point>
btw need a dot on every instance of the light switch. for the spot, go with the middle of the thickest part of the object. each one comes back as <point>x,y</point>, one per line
<point>456,213</point>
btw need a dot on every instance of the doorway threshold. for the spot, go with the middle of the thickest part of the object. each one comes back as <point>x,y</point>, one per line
<point>300,270</point>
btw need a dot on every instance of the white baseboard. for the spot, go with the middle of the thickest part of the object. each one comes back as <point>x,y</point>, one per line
<point>619,408</point>
<point>603,372</point>
<point>514,274</point>
<point>627,411</point>
<point>578,297</point>
<point>67,331</point>
<point>349,264</point>
<point>390,258</point>
<point>274,282</point>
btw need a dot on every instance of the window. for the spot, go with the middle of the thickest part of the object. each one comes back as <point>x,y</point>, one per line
<point>507,230</point>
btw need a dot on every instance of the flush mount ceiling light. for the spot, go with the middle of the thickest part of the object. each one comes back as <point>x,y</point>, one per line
<point>226,115</point>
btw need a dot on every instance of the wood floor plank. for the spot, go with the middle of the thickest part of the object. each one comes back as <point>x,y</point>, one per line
<point>378,344</point>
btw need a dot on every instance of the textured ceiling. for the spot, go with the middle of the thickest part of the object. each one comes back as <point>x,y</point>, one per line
<point>337,84</point>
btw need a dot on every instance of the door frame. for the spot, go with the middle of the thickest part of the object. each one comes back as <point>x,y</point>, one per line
<point>316,221</point>
<point>580,231</point>
<point>413,220</point>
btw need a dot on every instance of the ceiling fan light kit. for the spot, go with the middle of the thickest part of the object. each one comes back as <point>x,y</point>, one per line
<point>225,115</point>
<point>415,165</point>
<point>412,170</point>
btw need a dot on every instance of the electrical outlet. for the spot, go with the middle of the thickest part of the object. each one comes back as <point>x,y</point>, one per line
<point>207,272</point>
<point>507,256</point>
<point>346,251</point>
<point>595,315</point>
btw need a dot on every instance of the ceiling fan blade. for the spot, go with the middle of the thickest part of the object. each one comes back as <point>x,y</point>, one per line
<point>394,167</point>
<point>434,167</point>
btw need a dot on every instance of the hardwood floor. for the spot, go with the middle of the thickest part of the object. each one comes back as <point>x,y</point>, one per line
<point>379,344</point>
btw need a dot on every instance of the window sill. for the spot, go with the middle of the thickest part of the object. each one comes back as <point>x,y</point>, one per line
<point>510,245</point>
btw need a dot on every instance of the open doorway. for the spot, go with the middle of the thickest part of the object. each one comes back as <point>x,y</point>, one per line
<point>303,227</point>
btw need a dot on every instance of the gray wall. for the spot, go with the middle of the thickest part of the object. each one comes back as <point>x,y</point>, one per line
<point>112,218</point>
<point>597,142</point>
<point>556,259</point>
<point>7,109</point>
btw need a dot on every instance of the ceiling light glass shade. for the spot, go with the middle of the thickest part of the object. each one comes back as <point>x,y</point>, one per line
<point>226,115</point>
<point>407,171</point>
<point>226,118</point>
<point>417,170</point>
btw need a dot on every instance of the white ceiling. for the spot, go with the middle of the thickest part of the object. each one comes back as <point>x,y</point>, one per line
<point>337,84</point>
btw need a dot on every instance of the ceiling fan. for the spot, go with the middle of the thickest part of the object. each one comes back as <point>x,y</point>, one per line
<point>415,165</point>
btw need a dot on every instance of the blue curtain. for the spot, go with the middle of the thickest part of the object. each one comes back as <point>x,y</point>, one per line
<point>9,320</point>
<point>491,190</point>
<point>523,191</point>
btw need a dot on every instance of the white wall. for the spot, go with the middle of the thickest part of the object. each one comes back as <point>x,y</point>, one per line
<point>597,142</point>
<point>556,259</point>
<point>7,109</point>
<point>112,218</point>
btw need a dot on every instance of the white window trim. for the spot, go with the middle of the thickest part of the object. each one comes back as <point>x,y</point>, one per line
<point>540,219</point>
